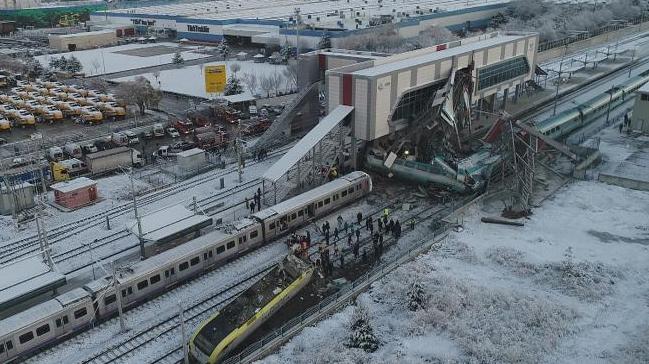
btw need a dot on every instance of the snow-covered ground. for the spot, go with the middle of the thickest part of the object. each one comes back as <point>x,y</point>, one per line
<point>108,60</point>
<point>191,81</point>
<point>571,286</point>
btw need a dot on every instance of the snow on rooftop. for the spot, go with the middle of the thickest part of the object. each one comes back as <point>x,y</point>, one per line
<point>73,185</point>
<point>168,222</point>
<point>83,34</point>
<point>112,59</point>
<point>403,61</point>
<point>21,278</point>
<point>190,80</point>
<point>190,152</point>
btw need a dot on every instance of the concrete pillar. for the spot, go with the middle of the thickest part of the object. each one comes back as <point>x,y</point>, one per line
<point>354,153</point>
<point>517,90</point>
<point>505,95</point>
<point>492,103</point>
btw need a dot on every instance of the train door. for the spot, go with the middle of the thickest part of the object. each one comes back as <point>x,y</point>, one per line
<point>311,210</point>
<point>6,350</point>
<point>63,321</point>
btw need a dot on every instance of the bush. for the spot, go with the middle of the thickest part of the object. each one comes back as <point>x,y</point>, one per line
<point>362,334</point>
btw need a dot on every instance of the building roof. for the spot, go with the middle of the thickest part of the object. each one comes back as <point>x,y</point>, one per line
<point>84,34</point>
<point>25,278</point>
<point>169,223</point>
<point>429,55</point>
<point>309,141</point>
<point>73,185</point>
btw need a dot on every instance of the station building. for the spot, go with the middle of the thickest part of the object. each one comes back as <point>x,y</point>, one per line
<point>295,21</point>
<point>388,92</point>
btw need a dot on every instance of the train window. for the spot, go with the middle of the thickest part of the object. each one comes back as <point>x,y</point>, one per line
<point>43,330</point>
<point>300,213</point>
<point>204,256</point>
<point>80,313</point>
<point>293,216</point>
<point>155,279</point>
<point>173,271</point>
<point>220,249</point>
<point>58,323</point>
<point>254,234</point>
<point>194,261</point>
<point>231,245</point>
<point>25,337</point>
<point>65,320</point>
<point>109,299</point>
<point>209,254</point>
<point>142,285</point>
<point>271,226</point>
<point>167,273</point>
<point>327,201</point>
<point>320,203</point>
<point>344,193</point>
<point>351,190</point>
<point>10,345</point>
<point>183,266</point>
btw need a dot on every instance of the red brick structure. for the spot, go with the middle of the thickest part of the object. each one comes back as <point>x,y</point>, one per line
<point>75,193</point>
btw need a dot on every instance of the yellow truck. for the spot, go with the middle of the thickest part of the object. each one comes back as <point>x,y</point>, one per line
<point>5,125</point>
<point>91,115</point>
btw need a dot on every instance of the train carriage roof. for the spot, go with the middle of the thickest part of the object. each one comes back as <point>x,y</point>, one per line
<point>192,247</point>
<point>303,198</point>
<point>29,316</point>
<point>556,120</point>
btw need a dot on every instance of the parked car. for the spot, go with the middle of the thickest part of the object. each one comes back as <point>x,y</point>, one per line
<point>173,132</point>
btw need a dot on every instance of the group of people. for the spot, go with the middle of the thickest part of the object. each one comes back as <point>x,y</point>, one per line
<point>256,202</point>
<point>261,154</point>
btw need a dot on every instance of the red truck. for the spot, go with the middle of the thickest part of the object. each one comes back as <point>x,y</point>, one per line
<point>210,140</point>
<point>184,126</point>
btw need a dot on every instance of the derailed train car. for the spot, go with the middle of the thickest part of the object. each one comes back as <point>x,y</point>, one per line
<point>54,320</point>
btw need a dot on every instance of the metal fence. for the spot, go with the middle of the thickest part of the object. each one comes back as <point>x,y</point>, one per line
<point>590,33</point>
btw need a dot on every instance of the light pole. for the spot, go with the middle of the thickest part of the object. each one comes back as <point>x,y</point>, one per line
<point>610,100</point>
<point>556,94</point>
<point>137,218</point>
<point>632,60</point>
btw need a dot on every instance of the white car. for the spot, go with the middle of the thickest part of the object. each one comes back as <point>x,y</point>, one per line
<point>173,132</point>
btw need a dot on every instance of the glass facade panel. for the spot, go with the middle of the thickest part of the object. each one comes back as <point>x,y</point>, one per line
<point>502,72</point>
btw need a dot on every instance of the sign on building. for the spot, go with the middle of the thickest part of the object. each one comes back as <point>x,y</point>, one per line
<point>215,78</point>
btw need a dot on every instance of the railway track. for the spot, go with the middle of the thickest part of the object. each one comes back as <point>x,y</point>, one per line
<point>28,245</point>
<point>193,315</point>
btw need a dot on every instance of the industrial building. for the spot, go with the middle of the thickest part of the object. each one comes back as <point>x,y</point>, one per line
<point>293,20</point>
<point>84,40</point>
<point>388,93</point>
<point>640,117</point>
<point>16,197</point>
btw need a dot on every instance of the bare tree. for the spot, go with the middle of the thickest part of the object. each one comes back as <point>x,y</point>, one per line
<point>99,84</point>
<point>11,64</point>
<point>235,67</point>
<point>266,84</point>
<point>251,82</point>
<point>276,80</point>
<point>139,92</point>
<point>95,64</point>
<point>290,73</point>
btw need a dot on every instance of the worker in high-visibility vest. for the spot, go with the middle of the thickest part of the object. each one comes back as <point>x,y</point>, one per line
<point>386,213</point>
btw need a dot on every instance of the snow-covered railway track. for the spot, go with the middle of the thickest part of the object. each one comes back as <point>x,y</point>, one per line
<point>28,245</point>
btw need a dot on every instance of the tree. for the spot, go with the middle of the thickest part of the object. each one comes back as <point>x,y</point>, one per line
<point>235,67</point>
<point>325,41</point>
<point>139,92</point>
<point>276,81</point>
<point>290,73</point>
<point>251,82</point>
<point>96,66</point>
<point>55,63</point>
<point>285,52</point>
<point>266,84</point>
<point>223,48</point>
<point>33,69</point>
<point>362,335</point>
<point>73,65</point>
<point>416,297</point>
<point>178,58</point>
<point>233,87</point>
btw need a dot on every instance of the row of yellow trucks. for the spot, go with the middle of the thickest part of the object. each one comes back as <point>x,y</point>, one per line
<point>54,101</point>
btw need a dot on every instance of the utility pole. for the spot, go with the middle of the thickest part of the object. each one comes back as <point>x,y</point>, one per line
<point>632,60</point>
<point>137,218</point>
<point>556,94</point>
<point>238,146</point>
<point>610,100</point>
<point>118,294</point>
<point>182,330</point>
<point>297,33</point>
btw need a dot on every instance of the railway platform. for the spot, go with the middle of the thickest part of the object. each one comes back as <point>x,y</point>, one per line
<point>25,279</point>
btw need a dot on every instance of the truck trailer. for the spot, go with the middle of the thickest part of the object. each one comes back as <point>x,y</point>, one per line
<point>112,159</point>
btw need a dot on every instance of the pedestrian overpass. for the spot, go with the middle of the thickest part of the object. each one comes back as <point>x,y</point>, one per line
<point>309,163</point>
